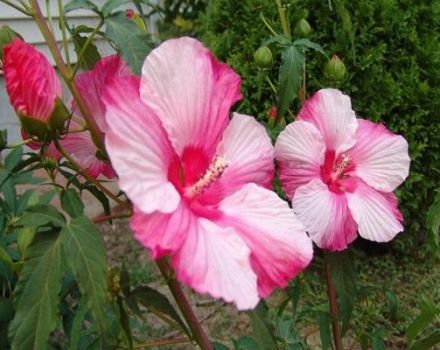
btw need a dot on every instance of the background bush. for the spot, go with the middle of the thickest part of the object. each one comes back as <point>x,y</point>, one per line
<point>392,53</point>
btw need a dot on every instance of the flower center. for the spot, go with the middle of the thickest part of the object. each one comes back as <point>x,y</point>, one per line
<point>212,174</point>
<point>335,172</point>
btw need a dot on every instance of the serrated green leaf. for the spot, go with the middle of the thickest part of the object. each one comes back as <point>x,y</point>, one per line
<point>290,77</point>
<point>428,342</point>
<point>42,215</point>
<point>156,301</point>
<point>91,55</point>
<point>429,311</point>
<point>81,4</point>
<point>343,275</point>
<point>84,249</point>
<point>72,203</point>
<point>307,44</point>
<point>111,5</point>
<point>38,294</point>
<point>133,44</point>
<point>262,328</point>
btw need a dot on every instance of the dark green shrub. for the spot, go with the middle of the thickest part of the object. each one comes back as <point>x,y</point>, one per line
<point>392,54</point>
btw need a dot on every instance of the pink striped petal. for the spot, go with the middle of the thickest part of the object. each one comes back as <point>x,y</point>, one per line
<point>91,85</point>
<point>138,148</point>
<point>280,248</point>
<point>215,260</point>
<point>299,151</point>
<point>330,111</point>
<point>190,91</point>
<point>325,215</point>
<point>163,233</point>
<point>381,157</point>
<point>248,152</point>
<point>31,82</point>
<point>376,213</point>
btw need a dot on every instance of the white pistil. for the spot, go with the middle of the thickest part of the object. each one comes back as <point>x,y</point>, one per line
<point>341,166</point>
<point>211,175</point>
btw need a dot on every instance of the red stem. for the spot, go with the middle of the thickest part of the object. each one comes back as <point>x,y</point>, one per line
<point>184,306</point>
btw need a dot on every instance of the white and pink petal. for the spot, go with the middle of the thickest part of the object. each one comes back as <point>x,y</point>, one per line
<point>215,260</point>
<point>139,148</point>
<point>331,113</point>
<point>190,91</point>
<point>299,151</point>
<point>380,156</point>
<point>325,215</point>
<point>376,213</point>
<point>280,248</point>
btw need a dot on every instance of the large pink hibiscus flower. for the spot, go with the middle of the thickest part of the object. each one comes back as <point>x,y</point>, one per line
<point>198,181</point>
<point>340,171</point>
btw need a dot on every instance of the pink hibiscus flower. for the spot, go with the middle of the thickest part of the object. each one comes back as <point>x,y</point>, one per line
<point>340,172</point>
<point>31,81</point>
<point>198,181</point>
<point>91,85</point>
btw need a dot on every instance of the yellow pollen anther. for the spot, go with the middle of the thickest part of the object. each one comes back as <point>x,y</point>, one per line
<point>211,175</point>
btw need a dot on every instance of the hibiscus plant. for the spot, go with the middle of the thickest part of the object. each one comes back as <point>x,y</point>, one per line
<point>195,179</point>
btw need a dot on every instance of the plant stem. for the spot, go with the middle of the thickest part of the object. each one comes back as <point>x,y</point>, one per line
<point>86,45</point>
<point>196,329</point>
<point>88,177</point>
<point>15,6</point>
<point>331,293</point>
<point>283,17</point>
<point>159,342</point>
<point>62,20</point>
<point>97,134</point>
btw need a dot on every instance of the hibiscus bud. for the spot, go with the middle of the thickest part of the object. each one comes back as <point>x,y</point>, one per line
<point>272,115</point>
<point>263,57</point>
<point>34,90</point>
<point>303,28</point>
<point>335,69</point>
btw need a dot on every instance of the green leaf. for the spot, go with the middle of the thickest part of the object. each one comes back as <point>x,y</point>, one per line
<point>377,339</point>
<point>324,322</point>
<point>81,4</point>
<point>110,5</point>
<point>290,77</point>
<point>25,236</point>
<point>10,194</point>
<point>6,309</point>
<point>155,301</point>
<point>125,322</point>
<point>133,44</point>
<point>429,311</point>
<point>72,203</point>
<point>6,36</point>
<point>75,332</point>
<point>219,346</point>
<point>5,256</point>
<point>433,224</point>
<point>13,158</point>
<point>392,304</point>
<point>38,294</point>
<point>42,215</point>
<point>307,44</point>
<point>427,343</point>
<point>85,255</point>
<point>91,55</point>
<point>244,343</point>
<point>343,275</point>
<point>262,328</point>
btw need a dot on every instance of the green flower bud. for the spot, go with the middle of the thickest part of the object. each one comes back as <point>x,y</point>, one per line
<point>335,69</point>
<point>303,28</point>
<point>263,57</point>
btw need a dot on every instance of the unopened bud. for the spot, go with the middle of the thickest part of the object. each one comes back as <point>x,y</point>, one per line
<point>303,28</point>
<point>335,69</point>
<point>263,57</point>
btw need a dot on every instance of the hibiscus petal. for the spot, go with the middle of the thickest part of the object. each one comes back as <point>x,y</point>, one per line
<point>139,148</point>
<point>215,260</point>
<point>248,152</point>
<point>299,151</point>
<point>163,233</point>
<point>375,212</point>
<point>330,111</point>
<point>91,85</point>
<point>278,242</point>
<point>190,91</point>
<point>381,157</point>
<point>325,215</point>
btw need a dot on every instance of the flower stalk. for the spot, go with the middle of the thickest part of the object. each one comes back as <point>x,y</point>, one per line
<point>196,329</point>
<point>283,17</point>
